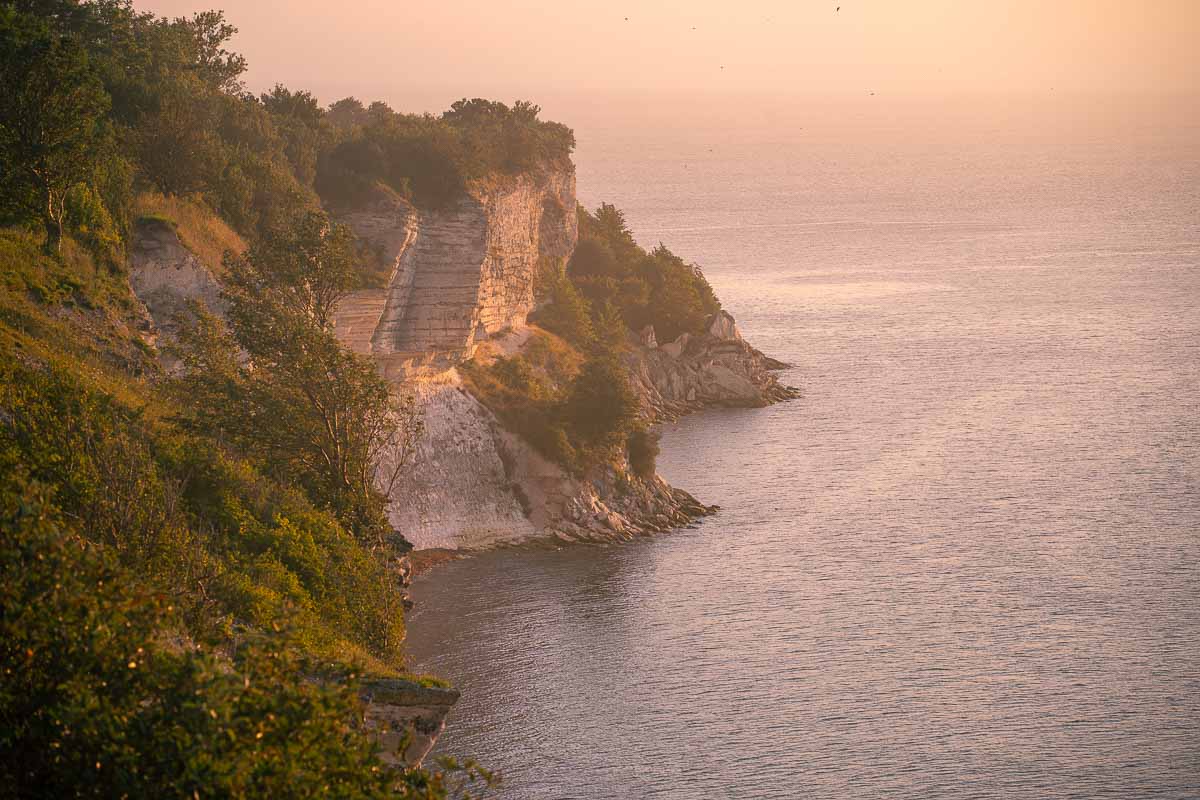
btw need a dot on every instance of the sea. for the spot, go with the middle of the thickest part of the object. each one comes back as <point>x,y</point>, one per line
<point>966,562</point>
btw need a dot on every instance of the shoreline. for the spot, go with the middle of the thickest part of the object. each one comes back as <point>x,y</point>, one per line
<point>423,561</point>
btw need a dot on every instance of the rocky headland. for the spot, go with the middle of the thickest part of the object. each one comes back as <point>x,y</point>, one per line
<point>462,284</point>
<point>461,278</point>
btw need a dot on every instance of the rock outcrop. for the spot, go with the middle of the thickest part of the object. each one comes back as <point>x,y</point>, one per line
<point>457,274</point>
<point>715,369</point>
<point>166,276</point>
<point>406,717</point>
<point>474,485</point>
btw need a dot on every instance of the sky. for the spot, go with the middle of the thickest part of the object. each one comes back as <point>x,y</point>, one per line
<point>395,50</point>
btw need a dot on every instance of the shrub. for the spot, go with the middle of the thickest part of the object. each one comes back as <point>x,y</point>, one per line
<point>643,451</point>
<point>659,288</point>
<point>599,409</point>
<point>226,542</point>
<point>564,311</point>
<point>93,704</point>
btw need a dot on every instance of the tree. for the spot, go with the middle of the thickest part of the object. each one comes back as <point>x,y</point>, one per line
<point>53,128</point>
<point>681,300</point>
<point>207,33</point>
<point>600,408</point>
<point>566,312</point>
<point>302,124</point>
<point>303,405</point>
<point>347,112</point>
<point>643,451</point>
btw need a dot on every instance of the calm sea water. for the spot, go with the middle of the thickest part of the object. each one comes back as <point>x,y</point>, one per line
<point>967,563</point>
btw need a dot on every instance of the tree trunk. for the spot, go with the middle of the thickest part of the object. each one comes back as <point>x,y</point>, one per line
<point>53,236</point>
<point>54,226</point>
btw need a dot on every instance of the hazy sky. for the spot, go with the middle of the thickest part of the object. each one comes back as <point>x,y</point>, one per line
<point>511,48</point>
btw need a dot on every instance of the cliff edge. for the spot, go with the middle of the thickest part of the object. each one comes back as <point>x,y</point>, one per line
<point>457,275</point>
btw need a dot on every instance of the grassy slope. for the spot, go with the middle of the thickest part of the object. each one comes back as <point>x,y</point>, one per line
<point>80,394</point>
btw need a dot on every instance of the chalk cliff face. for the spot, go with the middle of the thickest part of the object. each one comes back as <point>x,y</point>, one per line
<point>165,276</point>
<point>474,485</point>
<point>462,274</point>
<point>458,274</point>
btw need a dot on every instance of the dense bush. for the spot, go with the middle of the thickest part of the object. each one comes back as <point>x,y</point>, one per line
<point>643,451</point>
<point>573,409</point>
<point>94,703</point>
<point>430,159</point>
<point>564,311</point>
<point>656,288</point>
<point>230,545</point>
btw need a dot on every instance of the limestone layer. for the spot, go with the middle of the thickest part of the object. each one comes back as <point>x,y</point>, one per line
<point>457,274</point>
<point>166,276</point>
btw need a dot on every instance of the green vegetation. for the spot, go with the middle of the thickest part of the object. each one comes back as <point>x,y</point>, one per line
<point>430,159</point>
<point>587,415</point>
<point>97,702</point>
<point>187,515</point>
<point>643,452</point>
<point>574,409</point>
<point>302,406</point>
<point>656,288</point>
<point>52,121</point>
<point>611,284</point>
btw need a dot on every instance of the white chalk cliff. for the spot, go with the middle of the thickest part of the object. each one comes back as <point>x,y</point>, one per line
<point>461,275</point>
<point>458,274</point>
<point>466,273</point>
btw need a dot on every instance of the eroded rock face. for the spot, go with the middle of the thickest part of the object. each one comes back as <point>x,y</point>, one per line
<point>459,274</point>
<point>458,492</point>
<point>406,717</point>
<point>474,485</point>
<point>717,368</point>
<point>165,276</point>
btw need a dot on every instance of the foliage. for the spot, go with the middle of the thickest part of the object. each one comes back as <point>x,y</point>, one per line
<point>564,311</point>
<point>599,408</point>
<point>430,159</point>
<point>94,704</point>
<point>303,406</point>
<point>574,409</point>
<point>643,451</point>
<point>52,121</point>
<point>231,545</point>
<point>656,288</point>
